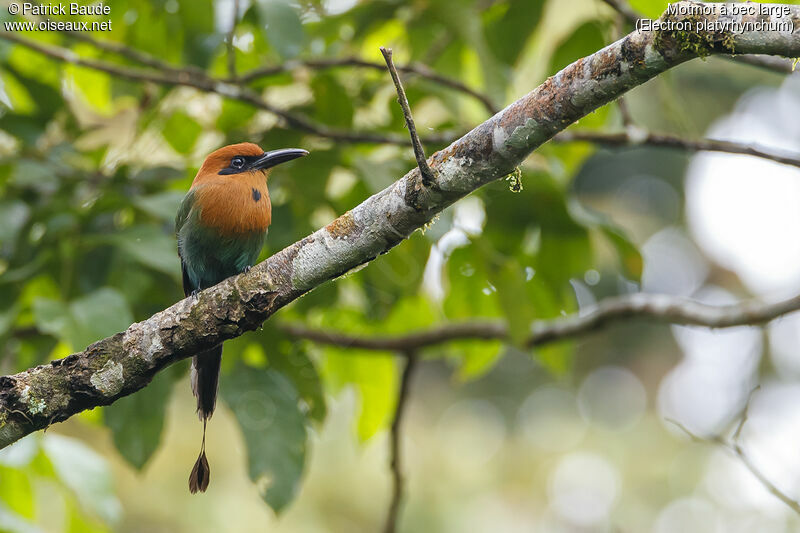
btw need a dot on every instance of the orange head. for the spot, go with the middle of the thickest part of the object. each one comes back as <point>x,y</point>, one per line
<point>244,158</point>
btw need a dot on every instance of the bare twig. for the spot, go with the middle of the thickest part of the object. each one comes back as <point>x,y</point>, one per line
<point>736,448</point>
<point>622,102</point>
<point>418,69</point>
<point>231,50</point>
<point>398,489</point>
<point>428,177</point>
<point>673,141</point>
<point>657,307</point>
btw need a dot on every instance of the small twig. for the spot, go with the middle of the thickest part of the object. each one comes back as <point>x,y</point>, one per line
<point>738,451</point>
<point>745,415</point>
<point>625,112</point>
<point>398,488</point>
<point>622,102</point>
<point>231,53</point>
<point>428,177</point>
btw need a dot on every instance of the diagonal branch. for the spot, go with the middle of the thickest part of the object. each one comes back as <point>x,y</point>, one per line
<point>428,177</point>
<point>126,362</point>
<point>655,307</point>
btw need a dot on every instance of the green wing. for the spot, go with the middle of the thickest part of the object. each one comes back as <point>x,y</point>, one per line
<point>180,219</point>
<point>183,211</point>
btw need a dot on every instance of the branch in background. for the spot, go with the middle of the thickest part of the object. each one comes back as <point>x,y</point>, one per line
<point>127,52</point>
<point>656,307</point>
<point>126,362</point>
<point>622,7</point>
<point>736,448</point>
<point>395,453</point>
<point>199,80</point>
<point>418,69</point>
<point>644,138</point>
<point>231,50</point>
<point>428,177</point>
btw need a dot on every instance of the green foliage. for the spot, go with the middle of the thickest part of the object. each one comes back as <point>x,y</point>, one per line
<point>266,405</point>
<point>94,166</point>
<point>136,421</point>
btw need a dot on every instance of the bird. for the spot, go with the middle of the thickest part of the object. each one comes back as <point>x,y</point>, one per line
<point>221,227</point>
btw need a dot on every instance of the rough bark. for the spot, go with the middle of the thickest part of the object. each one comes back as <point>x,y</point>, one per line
<point>127,361</point>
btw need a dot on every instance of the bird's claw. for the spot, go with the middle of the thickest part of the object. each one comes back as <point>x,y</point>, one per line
<point>195,293</point>
<point>246,269</point>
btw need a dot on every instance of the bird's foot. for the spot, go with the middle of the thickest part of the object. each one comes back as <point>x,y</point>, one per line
<point>195,294</point>
<point>246,269</point>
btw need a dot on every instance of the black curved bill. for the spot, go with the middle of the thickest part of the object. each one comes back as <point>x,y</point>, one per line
<point>276,157</point>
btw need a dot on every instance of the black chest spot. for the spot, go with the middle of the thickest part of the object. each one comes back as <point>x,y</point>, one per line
<point>256,195</point>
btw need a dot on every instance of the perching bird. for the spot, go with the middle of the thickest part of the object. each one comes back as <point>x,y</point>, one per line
<point>221,227</point>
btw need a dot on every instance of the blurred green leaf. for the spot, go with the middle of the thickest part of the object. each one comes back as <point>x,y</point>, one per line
<point>374,377</point>
<point>13,217</point>
<point>181,132</point>
<point>163,205</point>
<point>508,32</point>
<point>266,405</point>
<point>332,103</point>
<point>296,365</point>
<point>150,246</point>
<point>585,40</point>
<point>282,27</point>
<point>85,472</point>
<point>137,421</point>
<point>475,358</point>
<point>510,282</point>
<point>88,319</point>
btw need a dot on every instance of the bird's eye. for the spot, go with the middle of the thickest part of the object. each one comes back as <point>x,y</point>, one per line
<point>237,162</point>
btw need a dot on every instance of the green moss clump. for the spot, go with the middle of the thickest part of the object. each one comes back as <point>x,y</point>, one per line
<point>688,38</point>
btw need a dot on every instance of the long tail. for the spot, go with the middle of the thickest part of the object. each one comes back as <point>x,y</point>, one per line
<point>205,378</point>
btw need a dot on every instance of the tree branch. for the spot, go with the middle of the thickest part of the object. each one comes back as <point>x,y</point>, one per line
<point>736,448</point>
<point>126,362</point>
<point>673,141</point>
<point>428,177</point>
<point>395,453</point>
<point>655,307</point>
<point>423,71</point>
<point>197,79</point>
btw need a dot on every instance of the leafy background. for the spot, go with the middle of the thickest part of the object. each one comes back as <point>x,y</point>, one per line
<point>93,167</point>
